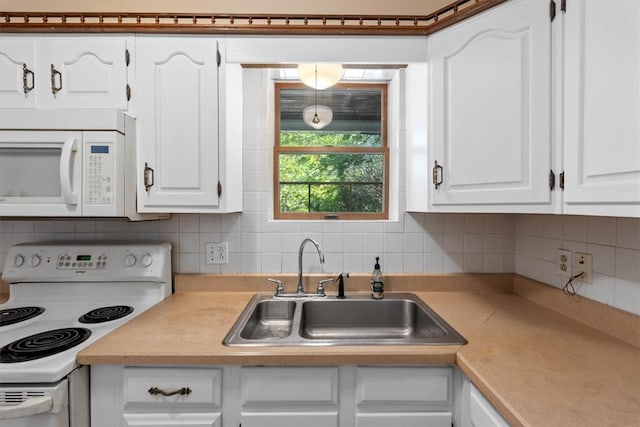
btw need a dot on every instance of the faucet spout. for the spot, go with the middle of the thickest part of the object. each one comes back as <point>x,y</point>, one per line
<point>300,289</point>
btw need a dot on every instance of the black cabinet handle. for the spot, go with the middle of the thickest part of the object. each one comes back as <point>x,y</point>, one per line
<point>154,391</point>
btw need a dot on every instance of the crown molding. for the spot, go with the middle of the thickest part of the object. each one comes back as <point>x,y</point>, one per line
<point>128,22</point>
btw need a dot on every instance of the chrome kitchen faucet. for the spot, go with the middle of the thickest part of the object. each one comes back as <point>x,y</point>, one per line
<point>300,290</point>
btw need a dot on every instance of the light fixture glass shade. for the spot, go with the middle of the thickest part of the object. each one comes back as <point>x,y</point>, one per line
<point>328,75</point>
<point>324,113</point>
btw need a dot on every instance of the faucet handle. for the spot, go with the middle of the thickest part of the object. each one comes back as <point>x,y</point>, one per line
<point>279,286</point>
<point>320,288</point>
<point>340,280</point>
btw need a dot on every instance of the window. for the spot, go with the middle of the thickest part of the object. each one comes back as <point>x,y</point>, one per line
<point>341,170</point>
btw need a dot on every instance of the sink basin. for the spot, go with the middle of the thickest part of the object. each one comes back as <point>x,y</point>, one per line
<point>368,319</point>
<point>398,319</point>
<point>269,320</point>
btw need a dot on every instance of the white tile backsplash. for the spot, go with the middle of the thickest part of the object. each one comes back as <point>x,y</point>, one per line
<point>628,233</point>
<point>613,242</point>
<point>601,230</point>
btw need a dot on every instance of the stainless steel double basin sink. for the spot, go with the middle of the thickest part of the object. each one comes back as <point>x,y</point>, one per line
<point>398,319</point>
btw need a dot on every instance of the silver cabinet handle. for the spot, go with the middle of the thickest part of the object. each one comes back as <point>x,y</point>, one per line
<point>55,89</point>
<point>148,177</point>
<point>437,175</point>
<point>25,73</point>
<point>154,391</point>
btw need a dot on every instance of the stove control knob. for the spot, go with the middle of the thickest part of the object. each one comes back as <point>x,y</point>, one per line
<point>129,260</point>
<point>146,260</point>
<point>18,260</point>
<point>35,260</point>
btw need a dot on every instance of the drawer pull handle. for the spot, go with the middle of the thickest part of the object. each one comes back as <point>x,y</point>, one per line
<point>181,391</point>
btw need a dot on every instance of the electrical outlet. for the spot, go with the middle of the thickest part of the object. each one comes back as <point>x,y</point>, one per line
<point>583,263</point>
<point>217,253</point>
<point>564,262</point>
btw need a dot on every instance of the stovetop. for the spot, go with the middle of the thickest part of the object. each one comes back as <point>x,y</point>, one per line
<point>74,303</point>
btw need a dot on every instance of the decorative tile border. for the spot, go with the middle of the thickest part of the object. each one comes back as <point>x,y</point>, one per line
<point>242,23</point>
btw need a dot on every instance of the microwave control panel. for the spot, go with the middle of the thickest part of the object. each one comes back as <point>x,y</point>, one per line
<point>100,173</point>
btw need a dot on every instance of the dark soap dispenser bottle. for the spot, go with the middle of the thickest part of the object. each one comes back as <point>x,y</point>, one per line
<point>377,281</point>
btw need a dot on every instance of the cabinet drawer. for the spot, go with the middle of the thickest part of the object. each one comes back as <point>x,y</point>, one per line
<point>294,419</point>
<point>288,387</point>
<point>418,419</point>
<point>205,419</point>
<point>419,387</point>
<point>205,386</point>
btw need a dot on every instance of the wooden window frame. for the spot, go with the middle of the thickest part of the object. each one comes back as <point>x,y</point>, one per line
<point>382,149</point>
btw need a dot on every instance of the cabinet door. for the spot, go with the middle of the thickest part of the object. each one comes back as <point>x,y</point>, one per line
<point>177,123</point>
<point>481,412</point>
<point>490,89</point>
<point>17,72</point>
<point>285,396</point>
<point>602,107</point>
<point>82,72</point>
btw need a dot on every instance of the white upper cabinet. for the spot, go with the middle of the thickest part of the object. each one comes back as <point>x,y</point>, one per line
<point>489,89</point>
<point>602,107</point>
<point>178,123</point>
<point>66,72</point>
<point>17,72</point>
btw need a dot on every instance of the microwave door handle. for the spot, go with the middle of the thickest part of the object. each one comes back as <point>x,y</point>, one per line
<point>31,406</point>
<point>70,146</point>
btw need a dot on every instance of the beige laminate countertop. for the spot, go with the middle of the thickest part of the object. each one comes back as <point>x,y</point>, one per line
<point>537,366</point>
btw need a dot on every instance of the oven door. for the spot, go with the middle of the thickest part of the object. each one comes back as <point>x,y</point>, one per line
<point>23,405</point>
<point>40,173</point>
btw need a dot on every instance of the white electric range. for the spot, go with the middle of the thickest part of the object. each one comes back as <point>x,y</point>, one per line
<point>63,297</point>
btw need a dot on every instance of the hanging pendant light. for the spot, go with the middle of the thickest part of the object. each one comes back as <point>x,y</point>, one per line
<point>317,116</point>
<point>320,76</point>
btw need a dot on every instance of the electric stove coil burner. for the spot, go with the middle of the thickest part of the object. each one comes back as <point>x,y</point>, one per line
<point>10,316</point>
<point>43,344</point>
<point>105,314</point>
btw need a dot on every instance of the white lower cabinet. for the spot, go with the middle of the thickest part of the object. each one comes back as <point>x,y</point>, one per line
<point>482,413</point>
<point>403,396</point>
<point>233,396</point>
<point>283,397</point>
<point>474,409</point>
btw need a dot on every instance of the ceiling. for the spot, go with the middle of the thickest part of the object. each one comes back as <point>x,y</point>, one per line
<point>335,7</point>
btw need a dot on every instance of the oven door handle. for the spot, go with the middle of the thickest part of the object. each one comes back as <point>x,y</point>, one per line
<point>70,146</point>
<point>31,406</point>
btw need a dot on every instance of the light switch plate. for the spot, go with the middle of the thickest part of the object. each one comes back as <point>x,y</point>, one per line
<point>217,253</point>
<point>583,263</point>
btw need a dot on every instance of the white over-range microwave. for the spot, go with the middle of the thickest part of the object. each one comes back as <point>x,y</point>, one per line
<point>68,163</point>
